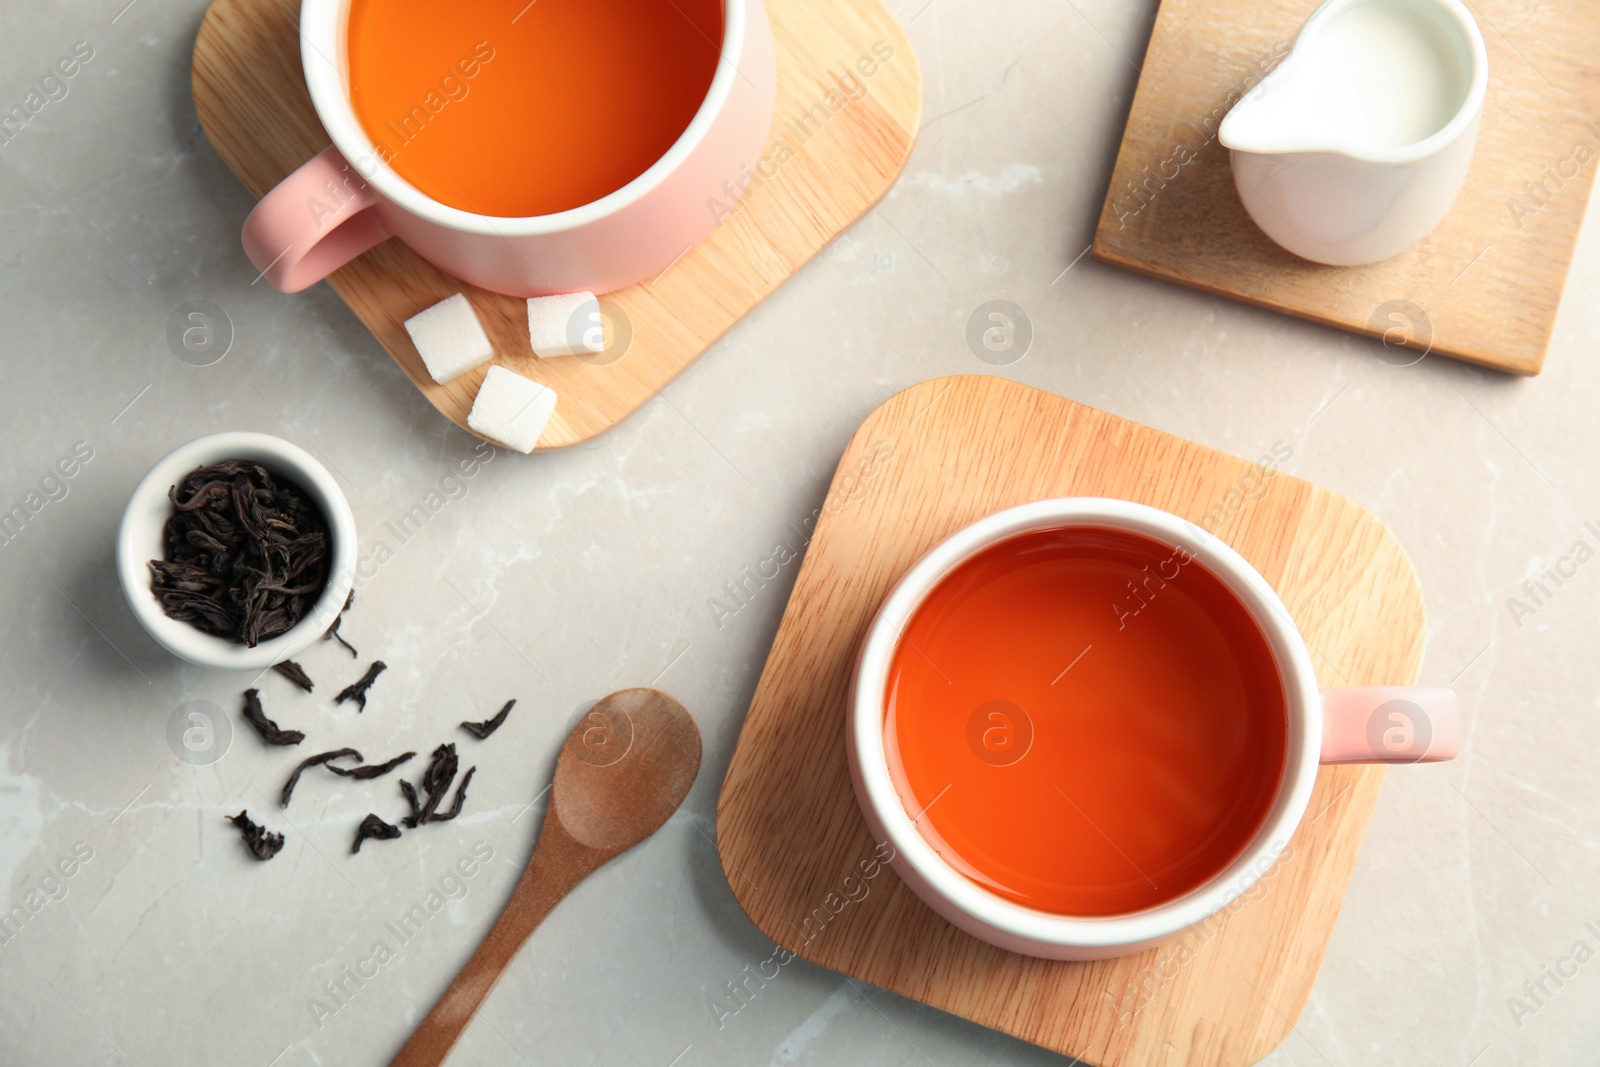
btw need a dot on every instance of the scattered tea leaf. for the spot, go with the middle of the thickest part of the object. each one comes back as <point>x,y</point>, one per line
<point>436,781</point>
<point>483,729</point>
<point>312,761</point>
<point>295,673</point>
<point>245,555</point>
<point>374,770</point>
<point>410,793</point>
<point>461,798</point>
<point>269,731</point>
<point>372,826</point>
<point>263,845</point>
<point>332,632</point>
<point>357,690</point>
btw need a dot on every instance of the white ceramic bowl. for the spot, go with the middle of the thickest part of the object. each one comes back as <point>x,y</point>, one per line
<point>989,916</point>
<point>139,540</point>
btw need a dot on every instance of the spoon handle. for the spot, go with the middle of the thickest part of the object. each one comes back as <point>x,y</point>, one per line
<point>559,863</point>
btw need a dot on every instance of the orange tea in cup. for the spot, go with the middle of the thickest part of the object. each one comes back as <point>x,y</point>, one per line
<point>517,108</point>
<point>1085,721</point>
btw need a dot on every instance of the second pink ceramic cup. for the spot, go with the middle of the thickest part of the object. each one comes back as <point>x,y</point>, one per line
<point>1375,724</point>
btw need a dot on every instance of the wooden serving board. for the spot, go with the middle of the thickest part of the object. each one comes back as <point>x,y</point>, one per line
<point>252,101</point>
<point>1483,287</point>
<point>932,459</point>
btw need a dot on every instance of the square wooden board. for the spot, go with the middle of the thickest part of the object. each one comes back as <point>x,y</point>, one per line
<point>929,461</point>
<point>1483,287</point>
<point>251,98</point>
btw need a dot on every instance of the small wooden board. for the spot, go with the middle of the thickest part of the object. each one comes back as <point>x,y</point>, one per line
<point>1483,287</point>
<point>932,459</point>
<point>252,101</point>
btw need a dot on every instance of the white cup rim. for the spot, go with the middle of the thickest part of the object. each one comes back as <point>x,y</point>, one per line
<point>139,540</point>
<point>324,58</point>
<point>990,915</point>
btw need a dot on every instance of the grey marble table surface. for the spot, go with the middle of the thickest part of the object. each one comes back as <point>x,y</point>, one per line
<point>147,936</point>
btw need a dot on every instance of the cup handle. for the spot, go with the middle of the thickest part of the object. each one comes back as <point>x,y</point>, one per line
<point>1390,724</point>
<point>312,223</point>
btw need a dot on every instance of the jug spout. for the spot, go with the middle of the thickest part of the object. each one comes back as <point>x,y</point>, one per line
<point>1285,112</point>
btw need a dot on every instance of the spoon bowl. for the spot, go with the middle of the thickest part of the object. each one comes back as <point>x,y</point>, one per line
<point>624,769</point>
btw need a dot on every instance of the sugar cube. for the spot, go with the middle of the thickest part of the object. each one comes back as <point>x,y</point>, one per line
<point>565,325</point>
<point>449,338</point>
<point>512,409</point>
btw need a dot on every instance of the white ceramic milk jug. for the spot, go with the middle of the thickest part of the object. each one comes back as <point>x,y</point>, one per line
<point>1355,146</point>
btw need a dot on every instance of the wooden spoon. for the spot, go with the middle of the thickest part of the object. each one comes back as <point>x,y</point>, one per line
<point>623,771</point>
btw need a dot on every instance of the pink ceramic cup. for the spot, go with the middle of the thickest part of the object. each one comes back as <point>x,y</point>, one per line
<point>345,200</point>
<point>1383,724</point>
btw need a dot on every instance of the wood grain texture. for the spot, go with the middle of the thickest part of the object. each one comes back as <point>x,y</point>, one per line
<point>251,98</point>
<point>1483,287</point>
<point>930,460</point>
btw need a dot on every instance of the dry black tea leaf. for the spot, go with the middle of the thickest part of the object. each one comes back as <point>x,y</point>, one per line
<point>295,673</point>
<point>262,844</point>
<point>483,729</point>
<point>269,731</point>
<point>410,793</point>
<point>245,555</point>
<point>375,770</point>
<point>461,798</point>
<point>357,690</point>
<point>372,826</point>
<point>436,782</point>
<point>333,634</point>
<point>312,761</point>
<point>437,778</point>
